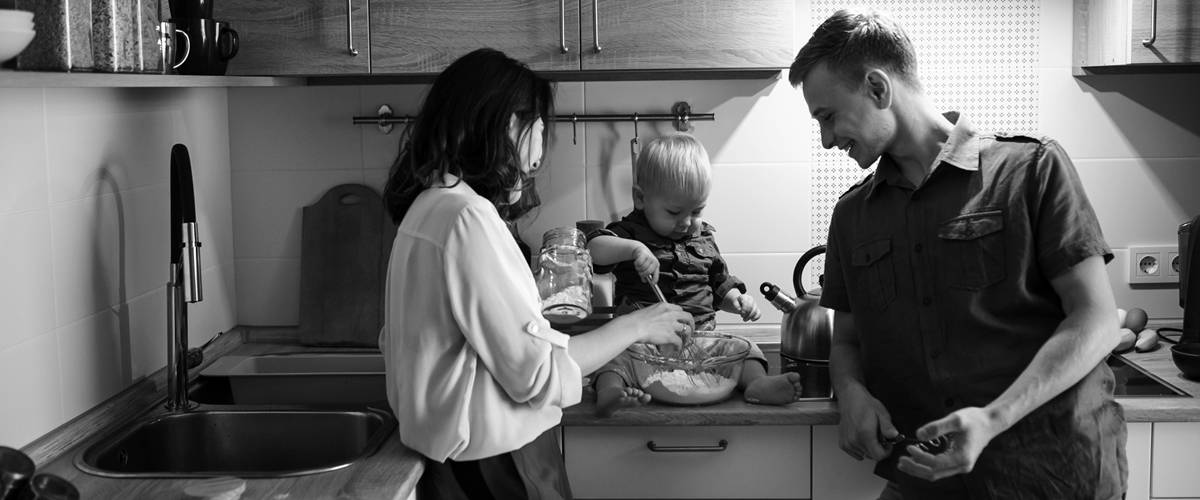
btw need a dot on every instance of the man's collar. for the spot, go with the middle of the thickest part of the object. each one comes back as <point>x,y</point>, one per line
<point>960,151</point>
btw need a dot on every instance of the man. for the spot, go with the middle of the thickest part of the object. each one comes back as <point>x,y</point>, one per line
<point>967,278</point>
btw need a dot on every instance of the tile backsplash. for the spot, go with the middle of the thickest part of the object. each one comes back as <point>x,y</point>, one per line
<point>83,196</point>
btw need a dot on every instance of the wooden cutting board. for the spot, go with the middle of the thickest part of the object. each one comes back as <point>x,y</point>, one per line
<point>345,243</point>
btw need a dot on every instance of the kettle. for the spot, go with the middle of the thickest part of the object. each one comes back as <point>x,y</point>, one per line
<point>1189,279</point>
<point>807,328</point>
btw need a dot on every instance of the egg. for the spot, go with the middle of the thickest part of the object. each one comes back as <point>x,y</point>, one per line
<point>1136,320</point>
<point>1127,340</point>
<point>1147,340</point>
<point>1121,313</point>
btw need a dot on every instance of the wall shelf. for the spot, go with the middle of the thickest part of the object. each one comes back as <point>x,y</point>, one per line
<point>13,79</point>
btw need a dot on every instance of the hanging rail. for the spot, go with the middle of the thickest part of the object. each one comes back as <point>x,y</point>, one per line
<point>681,116</point>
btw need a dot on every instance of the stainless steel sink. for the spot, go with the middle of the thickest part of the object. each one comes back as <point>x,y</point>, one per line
<point>243,443</point>
<point>314,379</point>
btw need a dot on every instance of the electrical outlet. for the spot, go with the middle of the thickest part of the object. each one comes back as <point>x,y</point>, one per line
<point>1157,264</point>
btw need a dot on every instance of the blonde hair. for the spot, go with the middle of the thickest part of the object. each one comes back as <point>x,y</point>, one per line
<point>675,163</point>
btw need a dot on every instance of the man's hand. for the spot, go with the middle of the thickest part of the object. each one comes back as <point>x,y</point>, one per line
<point>864,424</point>
<point>969,429</point>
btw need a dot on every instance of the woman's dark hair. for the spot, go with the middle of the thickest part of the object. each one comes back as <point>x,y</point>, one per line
<point>463,129</point>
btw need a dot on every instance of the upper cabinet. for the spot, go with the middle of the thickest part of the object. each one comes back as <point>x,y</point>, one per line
<point>425,36</point>
<point>312,37</point>
<point>298,37</point>
<point>1136,35</point>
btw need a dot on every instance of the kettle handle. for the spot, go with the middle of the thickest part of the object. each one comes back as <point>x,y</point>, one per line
<point>799,270</point>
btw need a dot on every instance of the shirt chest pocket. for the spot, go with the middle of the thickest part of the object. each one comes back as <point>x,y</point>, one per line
<point>874,274</point>
<point>974,249</point>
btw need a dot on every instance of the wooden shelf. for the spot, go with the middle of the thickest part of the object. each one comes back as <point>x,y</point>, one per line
<point>11,78</point>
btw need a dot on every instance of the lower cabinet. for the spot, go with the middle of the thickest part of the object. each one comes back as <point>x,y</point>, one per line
<point>1174,453</point>
<point>836,476</point>
<point>756,461</point>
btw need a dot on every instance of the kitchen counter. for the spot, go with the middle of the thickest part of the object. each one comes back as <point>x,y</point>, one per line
<point>393,470</point>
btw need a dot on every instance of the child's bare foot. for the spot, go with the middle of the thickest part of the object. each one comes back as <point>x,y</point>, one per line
<point>611,399</point>
<point>774,389</point>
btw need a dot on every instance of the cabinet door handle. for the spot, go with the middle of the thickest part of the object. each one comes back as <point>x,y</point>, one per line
<point>720,446</point>
<point>1153,25</point>
<point>562,27</point>
<point>596,25</point>
<point>350,28</point>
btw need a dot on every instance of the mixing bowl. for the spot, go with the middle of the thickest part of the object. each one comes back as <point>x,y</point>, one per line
<point>13,42</point>
<point>705,374</point>
<point>1187,359</point>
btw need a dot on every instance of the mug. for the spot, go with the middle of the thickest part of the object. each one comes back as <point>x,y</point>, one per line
<point>15,469</point>
<point>213,44</point>
<point>168,49</point>
<point>46,486</point>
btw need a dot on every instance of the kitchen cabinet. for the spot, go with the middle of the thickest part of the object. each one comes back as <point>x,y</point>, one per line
<point>299,37</point>
<point>836,476</point>
<point>1173,460</point>
<point>569,36</point>
<point>1110,35</point>
<point>755,461</point>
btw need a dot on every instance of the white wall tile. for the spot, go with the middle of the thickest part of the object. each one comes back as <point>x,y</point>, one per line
<point>1057,34</point>
<point>95,359</point>
<point>148,332</point>
<point>294,128</point>
<point>1120,116</point>
<point>32,394</point>
<point>269,207</point>
<point>1141,201</point>
<point>268,292</point>
<point>754,269</point>
<point>23,143</point>
<point>760,208</point>
<point>27,289</point>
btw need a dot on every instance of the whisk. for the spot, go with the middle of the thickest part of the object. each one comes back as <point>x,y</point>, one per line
<point>689,350</point>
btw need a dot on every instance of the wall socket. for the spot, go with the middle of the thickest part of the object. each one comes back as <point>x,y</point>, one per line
<point>1157,264</point>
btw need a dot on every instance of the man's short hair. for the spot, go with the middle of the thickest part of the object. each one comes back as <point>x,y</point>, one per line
<point>850,41</point>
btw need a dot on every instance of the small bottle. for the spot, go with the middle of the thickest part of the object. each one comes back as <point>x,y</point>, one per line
<point>564,275</point>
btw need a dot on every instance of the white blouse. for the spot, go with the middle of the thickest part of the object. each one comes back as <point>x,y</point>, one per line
<point>473,370</point>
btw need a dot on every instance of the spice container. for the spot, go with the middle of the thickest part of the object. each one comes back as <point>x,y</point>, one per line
<point>63,41</point>
<point>564,276</point>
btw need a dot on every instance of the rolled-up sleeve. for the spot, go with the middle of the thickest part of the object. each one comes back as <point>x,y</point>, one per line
<point>1066,225</point>
<point>496,304</point>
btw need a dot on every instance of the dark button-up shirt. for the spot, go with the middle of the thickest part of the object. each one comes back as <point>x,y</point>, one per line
<point>692,273</point>
<point>949,284</point>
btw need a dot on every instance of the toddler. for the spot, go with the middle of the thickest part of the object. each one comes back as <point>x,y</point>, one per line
<point>664,241</point>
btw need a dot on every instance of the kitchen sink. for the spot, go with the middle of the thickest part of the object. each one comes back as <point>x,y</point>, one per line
<point>313,379</point>
<point>243,443</point>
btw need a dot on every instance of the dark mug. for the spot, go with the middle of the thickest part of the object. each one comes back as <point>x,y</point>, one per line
<point>213,44</point>
<point>50,487</point>
<point>191,9</point>
<point>15,471</point>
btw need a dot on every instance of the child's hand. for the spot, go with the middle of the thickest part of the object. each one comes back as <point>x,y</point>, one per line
<point>745,305</point>
<point>644,261</point>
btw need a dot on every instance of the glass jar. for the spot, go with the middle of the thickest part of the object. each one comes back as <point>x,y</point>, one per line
<point>564,275</point>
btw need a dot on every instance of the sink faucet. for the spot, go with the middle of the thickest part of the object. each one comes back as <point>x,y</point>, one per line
<point>183,286</point>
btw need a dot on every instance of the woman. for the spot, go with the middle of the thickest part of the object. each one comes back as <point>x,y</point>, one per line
<point>477,378</point>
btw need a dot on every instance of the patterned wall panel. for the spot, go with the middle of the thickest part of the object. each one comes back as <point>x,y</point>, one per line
<point>977,57</point>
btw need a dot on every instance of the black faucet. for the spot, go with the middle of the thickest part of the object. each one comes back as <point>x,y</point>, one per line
<point>183,286</point>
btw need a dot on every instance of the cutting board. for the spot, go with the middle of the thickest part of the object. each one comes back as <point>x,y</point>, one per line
<point>345,243</point>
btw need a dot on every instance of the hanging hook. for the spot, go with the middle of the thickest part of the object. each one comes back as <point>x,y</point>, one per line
<point>574,131</point>
<point>633,144</point>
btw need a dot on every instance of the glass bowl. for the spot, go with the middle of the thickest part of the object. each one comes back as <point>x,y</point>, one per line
<point>705,374</point>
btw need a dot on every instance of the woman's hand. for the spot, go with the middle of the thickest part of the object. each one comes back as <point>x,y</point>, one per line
<point>644,260</point>
<point>660,324</point>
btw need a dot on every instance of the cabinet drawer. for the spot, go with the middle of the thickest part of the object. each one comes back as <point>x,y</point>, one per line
<point>767,461</point>
<point>1172,460</point>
